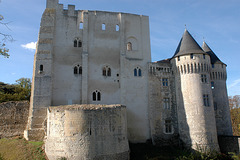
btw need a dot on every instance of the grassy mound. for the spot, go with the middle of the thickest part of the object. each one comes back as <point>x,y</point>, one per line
<point>20,149</point>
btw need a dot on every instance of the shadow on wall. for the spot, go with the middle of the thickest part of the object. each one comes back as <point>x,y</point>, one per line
<point>229,144</point>
<point>183,127</point>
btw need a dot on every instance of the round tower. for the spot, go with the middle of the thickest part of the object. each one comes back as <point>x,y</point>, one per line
<point>218,76</point>
<point>196,119</point>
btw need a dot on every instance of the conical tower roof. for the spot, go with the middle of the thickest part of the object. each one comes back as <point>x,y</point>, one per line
<point>212,55</point>
<point>188,45</point>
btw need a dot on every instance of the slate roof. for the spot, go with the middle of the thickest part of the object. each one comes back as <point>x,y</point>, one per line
<point>212,55</point>
<point>188,45</point>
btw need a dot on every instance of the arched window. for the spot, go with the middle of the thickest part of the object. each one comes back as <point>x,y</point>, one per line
<point>77,70</point>
<point>106,71</point>
<point>96,96</point>
<point>129,46</point>
<point>77,43</point>
<point>109,72</point>
<point>80,70</point>
<point>137,72</point>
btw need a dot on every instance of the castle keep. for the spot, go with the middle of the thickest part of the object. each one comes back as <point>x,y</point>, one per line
<point>89,58</point>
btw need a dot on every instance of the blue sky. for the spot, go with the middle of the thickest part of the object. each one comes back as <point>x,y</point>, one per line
<point>217,21</point>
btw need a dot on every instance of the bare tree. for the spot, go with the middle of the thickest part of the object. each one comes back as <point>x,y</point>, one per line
<point>3,39</point>
<point>234,104</point>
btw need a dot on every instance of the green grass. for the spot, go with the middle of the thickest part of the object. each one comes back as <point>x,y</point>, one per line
<point>20,149</point>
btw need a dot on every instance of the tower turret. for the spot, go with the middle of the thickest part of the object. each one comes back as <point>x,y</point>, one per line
<point>197,126</point>
<point>218,76</point>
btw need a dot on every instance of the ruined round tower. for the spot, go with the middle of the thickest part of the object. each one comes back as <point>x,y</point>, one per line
<point>218,77</point>
<point>196,119</point>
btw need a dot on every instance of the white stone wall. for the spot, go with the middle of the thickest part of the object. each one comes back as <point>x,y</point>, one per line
<point>218,76</point>
<point>100,48</point>
<point>197,126</point>
<point>159,113</point>
<point>87,132</point>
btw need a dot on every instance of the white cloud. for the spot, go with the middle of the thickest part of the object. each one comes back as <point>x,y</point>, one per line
<point>235,83</point>
<point>30,46</point>
<point>234,88</point>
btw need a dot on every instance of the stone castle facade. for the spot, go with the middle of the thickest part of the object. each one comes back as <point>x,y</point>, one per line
<point>85,58</point>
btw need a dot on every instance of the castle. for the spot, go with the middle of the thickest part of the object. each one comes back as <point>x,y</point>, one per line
<point>94,86</point>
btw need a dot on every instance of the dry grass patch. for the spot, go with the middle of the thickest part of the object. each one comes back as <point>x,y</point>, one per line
<point>20,149</point>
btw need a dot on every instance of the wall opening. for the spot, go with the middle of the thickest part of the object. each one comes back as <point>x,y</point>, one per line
<point>103,27</point>
<point>81,25</point>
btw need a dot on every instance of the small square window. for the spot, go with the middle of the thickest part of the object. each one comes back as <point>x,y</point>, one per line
<point>191,55</point>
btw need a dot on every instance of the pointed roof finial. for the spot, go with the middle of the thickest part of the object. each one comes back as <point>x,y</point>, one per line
<point>203,39</point>
<point>188,45</point>
<point>185,27</point>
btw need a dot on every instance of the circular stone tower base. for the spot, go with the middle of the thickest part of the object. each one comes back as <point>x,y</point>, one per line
<point>87,132</point>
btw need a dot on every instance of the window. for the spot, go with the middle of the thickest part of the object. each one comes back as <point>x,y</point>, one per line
<point>117,27</point>
<point>168,127</point>
<point>106,71</point>
<point>212,85</point>
<point>129,46</point>
<point>96,96</point>
<point>165,82</point>
<point>212,65</point>
<point>166,103</point>
<point>77,43</point>
<point>103,27</point>
<point>41,68</point>
<point>204,78</point>
<point>191,56</point>
<point>137,72</point>
<point>178,58</point>
<point>206,100</point>
<point>77,70</point>
<point>204,56</point>
<point>81,25</point>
